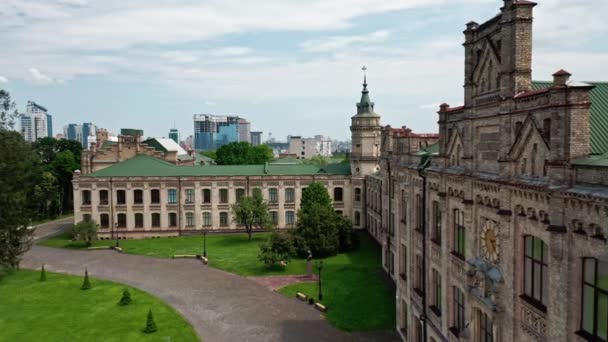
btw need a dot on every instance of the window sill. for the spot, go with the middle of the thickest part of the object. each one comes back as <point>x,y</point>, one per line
<point>435,310</point>
<point>587,336</point>
<point>534,303</point>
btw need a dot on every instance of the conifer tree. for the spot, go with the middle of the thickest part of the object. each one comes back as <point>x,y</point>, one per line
<point>126,298</point>
<point>42,274</point>
<point>86,284</point>
<point>150,325</point>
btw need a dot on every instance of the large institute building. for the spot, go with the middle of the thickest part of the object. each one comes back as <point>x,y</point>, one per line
<point>501,237</point>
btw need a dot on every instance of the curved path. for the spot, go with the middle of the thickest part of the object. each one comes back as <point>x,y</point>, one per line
<point>220,306</point>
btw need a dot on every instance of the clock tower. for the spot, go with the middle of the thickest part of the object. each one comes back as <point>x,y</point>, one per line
<point>365,151</point>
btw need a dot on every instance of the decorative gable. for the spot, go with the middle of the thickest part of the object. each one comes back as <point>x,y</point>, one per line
<point>486,73</point>
<point>455,149</point>
<point>530,150</point>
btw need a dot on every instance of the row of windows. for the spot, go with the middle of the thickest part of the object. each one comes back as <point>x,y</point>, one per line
<point>138,197</point>
<point>121,219</point>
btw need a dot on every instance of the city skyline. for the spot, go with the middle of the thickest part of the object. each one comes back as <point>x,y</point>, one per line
<point>307,68</point>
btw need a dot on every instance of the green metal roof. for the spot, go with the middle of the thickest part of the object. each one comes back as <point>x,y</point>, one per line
<point>146,166</point>
<point>593,161</point>
<point>431,149</point>
<point>599,114</point>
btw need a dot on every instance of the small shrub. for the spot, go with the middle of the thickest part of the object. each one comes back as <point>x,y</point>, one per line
<point>311,301</point>
<point>42,274</point>
<point>85,231</point>
<point>150,325</point>
<point>86,284</point>
<point>279,247</point>
<point>126,298</point>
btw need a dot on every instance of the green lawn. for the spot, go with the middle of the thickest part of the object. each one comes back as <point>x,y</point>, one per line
<point>58,310</point>
<point>354,288</point>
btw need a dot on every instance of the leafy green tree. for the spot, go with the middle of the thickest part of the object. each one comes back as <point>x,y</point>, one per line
<point>278,247</point>
<point>86,283</point>
<point>150,324</point>
<point>317,160</point>
<point>252,212</point>
<point>8,113</point>
<point>42,274</point>
<point>211,154</point>
<point>126,298</point>
<point>85,231</point>
<point>243,153</point>
<point>16,184</point>
<point>319,228</point>
<point>46,196</point>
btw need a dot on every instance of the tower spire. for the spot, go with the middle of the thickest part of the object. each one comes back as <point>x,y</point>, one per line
<point>365,106</point>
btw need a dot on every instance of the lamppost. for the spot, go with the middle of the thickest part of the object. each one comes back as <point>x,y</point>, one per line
<point>116,233</point>
<point>205,244</point>
<point>319,266</point>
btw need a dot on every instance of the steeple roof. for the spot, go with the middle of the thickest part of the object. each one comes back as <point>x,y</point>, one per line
<point>365,107</point>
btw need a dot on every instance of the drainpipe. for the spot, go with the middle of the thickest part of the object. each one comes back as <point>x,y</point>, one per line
<point>424,163</point>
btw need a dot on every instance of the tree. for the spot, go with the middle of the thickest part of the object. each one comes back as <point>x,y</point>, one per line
<point>8,113</point>
<point>85,231</point>
<point>42,274</point>
<point>319,228</point>
<point>317,160</point>
<point>150,325</point>
<point>16,184</point>
<point>278,247</point>
<point>252,212</point>
<point>46,196</point>
<point>126,298</point>
<point>243,153</point>
<point>86,283</point>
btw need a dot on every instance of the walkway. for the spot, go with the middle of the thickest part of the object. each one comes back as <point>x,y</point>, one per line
<point>220,306</point>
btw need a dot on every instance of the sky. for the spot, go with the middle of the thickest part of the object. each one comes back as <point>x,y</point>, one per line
<point>288,66</point>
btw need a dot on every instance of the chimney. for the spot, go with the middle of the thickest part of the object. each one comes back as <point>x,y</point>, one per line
<point>560,78</point>
<point>444,107</point>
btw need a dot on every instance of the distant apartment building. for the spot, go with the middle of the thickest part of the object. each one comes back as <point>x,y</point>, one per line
<point>36,123</point>
<point>214,131</point>
<point>83,133</point>
<point>256,138</point>
<point>174,135</point>
<point>306,148</point>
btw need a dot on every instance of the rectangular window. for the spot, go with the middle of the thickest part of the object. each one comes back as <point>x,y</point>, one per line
<point>138,196</point>
<point>392,263</point>
<point>103,197</point>
<point>223,219</point>
<point>172,220</point>
<point>275,218</point>
<point>391,225</point>
<point>86,197</point>
<point>458,323</point>
<point>403,263</point>
<point>535,270</point>
<point>155,220</point>
<point>172,196</point>
<point>594,312</point>
<point>139,220</point>
<point>189,195</point>
<point>459,233</point>
<point>273,196</point>
<point>290,218</point>
<point>189,219</point>
<point>206,219</point>
<point>290,195</point>
<point>104,220</point>
<point>486,328</point>
<point>121,197</point>
<point>122,221</point>
<point>436,288</point>
<point>206,195</point>
<point>436,223</point>
<point>419,213</point>
<point>338,194</point>
<point>419,275</point>
<point>223,195</point>
<point>155,196</point>
<point>239,193</point>
<point>403,207</point>
<point>357,194</point>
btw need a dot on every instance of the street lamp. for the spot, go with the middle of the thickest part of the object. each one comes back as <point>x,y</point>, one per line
<point>116,233</point>
<point>205,244</point>
<point>319,266</point>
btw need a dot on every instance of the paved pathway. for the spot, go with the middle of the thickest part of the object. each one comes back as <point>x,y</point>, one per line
<point>276,282</point>
<point>220,306</point>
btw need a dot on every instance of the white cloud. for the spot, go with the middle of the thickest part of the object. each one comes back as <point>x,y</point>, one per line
<point>38,77</point>
<point>180,56</point>
<point>339,43</point>
<point>210,103</point>
<point>231,51</point>
<point>3,79</point>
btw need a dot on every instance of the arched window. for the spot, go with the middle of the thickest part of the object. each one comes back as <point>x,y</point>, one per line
<point>357,218</point>
<point>122,221</point>
<point>223,219</point>
<point>121,197</point>
<point>104,220</point>
<point>206,219</point>
<point>86,197</point>
<point>338,195</point>
<point>155,196</point>
<point>290,218</point>
<point>189,219</point>
<point>138,196</point>
<point>206,195</point>
<point>594,308</point>
<point>139,220</point>
<point>172,220</point>
<point>535,270</point>
<point>290,195</point>
<point>156,220</point>
<point>357,194</point>
<point>103,197</point>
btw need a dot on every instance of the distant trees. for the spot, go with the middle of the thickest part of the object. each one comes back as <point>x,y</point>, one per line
<point>252,212</point>
<point>8,111</point>
<point>243,153</point>
<point>317,160</point>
